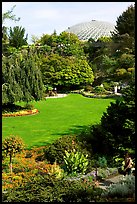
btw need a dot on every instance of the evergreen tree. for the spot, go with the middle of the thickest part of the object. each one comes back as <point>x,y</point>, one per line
<point>124,34</point>
<point>17,37</point>
<point>126,22</point>
<point>21,77</point>
<point>116,132</point>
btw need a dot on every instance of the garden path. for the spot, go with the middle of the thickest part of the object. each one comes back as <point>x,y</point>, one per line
<point>58,96</point>
<point>107,182</point>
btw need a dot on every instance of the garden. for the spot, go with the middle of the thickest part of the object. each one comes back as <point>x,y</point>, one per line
<point>60,149</point>
<point>68,168</point>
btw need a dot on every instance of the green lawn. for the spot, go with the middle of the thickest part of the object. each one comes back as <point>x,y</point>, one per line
<point>56,117</point>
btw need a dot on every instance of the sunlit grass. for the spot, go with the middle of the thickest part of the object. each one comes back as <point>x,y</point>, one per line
<point>56,117</point>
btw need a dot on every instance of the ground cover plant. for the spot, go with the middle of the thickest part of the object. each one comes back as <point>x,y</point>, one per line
<point>56,117</point>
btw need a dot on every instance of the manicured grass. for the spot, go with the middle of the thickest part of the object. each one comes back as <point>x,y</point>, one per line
<point>56,117</point>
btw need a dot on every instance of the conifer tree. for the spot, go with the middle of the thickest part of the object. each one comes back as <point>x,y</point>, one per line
<point>21,77</point>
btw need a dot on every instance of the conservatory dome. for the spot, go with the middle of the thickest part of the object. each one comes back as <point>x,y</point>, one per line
<point>93,29</point>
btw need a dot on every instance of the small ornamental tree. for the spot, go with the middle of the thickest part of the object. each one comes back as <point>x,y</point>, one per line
<point>11,146</point>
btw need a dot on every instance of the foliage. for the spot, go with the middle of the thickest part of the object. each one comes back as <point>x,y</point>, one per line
<point>12,145</point>
<point>116,131</point>
<point>117,128</point>
<point>124,34</point>
<point>109,55</point>
<point>124,188</point>
<point>7,108</point>
<point>28,106</point>
<point>108,85</point>
<point>64,44</point>
<point>75,162</point>
<point>17,37</point>
<point>49,189</point>
<point>66,72</point>
<point>56,151</point>
<point>126,61</point>
<point>9,15</point>
<point>88,88</point>
<point>24,168</point>
<point>102,162</point>
<point>21,77</point>
<point>99,90</point>
<point>126,22</point>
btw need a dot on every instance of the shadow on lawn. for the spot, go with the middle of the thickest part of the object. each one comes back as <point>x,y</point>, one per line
<point>74,130</point>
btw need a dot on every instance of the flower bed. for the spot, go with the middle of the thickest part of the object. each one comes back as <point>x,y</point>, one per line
<point>21,113</point>
<point>92,95</point>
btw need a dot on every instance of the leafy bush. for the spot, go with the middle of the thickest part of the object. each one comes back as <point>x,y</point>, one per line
<point>28,106</point>
<point>99,90</point>
<point>103,173</point>
<point>102,162</point>
<point>109,86</point>
<point>88,88</point>
<point>56,151</point>
<point>75,162</point>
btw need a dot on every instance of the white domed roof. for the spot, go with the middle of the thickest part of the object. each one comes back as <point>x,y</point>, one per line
<point>93,29</point>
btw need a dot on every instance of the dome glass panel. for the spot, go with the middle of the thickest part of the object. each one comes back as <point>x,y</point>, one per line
<point>93,29</point>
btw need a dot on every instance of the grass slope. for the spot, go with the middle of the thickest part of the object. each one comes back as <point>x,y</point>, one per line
<point>56,117</point>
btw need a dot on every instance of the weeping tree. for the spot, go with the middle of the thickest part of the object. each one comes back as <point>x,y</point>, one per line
<point>21,77</point>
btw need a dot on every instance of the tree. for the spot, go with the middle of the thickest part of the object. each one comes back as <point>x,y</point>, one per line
<point>116,131</point>
<point>17,37</point>
<point>7,16</point>
<point>67,72</point>
<point>124,34</point>
<point>21,77</point>
<point>126,22</point>
<point>66,44</point>
<point>11,146</point>
<point>126,61</point>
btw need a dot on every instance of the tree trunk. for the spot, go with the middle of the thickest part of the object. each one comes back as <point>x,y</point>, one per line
<point>11,164</point>
<point>96,173</point>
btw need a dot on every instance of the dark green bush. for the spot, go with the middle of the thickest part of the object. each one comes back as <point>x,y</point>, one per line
<point>11,107</point>
<point>109,86</point>
<point>28,106</point>
<point>88,88</point>
<point>99,90</point>
<point>56,151</point>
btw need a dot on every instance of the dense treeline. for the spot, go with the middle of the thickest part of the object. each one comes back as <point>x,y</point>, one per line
<point>64,61</point>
